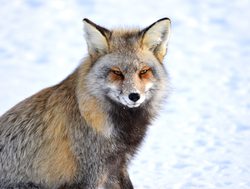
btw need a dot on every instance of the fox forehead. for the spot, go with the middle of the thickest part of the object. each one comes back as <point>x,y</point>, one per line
<point>126,60</point>
<point>125,40</point>
<point>125,47</point>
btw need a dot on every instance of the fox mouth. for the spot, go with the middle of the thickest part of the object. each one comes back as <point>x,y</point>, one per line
<point>125,102</point>
<point>121,99</point>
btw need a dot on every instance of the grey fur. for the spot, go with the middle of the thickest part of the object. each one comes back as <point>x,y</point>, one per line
<point>54,124</point>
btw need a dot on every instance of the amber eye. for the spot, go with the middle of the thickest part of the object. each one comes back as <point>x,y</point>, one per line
<point>117,72</point>
<point>143,71</point>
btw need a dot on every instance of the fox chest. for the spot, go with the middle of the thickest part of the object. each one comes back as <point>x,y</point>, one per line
<point>130,126</point>
<point>100,155</point>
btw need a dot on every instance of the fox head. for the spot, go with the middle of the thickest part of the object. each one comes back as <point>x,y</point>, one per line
<point>127,65</point>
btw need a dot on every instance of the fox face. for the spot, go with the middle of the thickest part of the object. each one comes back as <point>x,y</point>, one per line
<point>131,85</point>
<point>130,81</point>
<point>127,65</point>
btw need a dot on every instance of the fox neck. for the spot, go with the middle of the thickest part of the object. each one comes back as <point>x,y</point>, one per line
<point>130,124</point>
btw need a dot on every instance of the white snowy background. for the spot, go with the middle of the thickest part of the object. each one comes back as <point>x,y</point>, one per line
<point>201,139</point>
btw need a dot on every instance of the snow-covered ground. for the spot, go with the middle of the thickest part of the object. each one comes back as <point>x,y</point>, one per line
<point>201,139</point>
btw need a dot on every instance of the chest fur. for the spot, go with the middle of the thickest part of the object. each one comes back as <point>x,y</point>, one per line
<point>130,126</point>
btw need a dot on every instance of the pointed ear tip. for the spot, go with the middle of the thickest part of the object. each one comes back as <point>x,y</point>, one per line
<point>165,19</point>
<point>86,20</point>
<point>87,23</point>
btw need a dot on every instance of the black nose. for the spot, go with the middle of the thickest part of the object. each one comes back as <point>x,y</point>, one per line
<point>134,96</point>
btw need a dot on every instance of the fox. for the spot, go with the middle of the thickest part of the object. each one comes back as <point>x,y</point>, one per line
<point>83,132</point>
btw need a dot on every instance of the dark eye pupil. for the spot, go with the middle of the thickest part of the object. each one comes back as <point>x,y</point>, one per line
<point>144,71</point>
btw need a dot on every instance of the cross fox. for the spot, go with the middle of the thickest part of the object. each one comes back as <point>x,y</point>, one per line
<point>83,132</point>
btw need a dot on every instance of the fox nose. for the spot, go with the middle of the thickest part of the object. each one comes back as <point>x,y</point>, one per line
<point>134,96</point>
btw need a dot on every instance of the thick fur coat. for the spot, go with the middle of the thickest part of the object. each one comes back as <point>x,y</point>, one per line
<point>82,132</point>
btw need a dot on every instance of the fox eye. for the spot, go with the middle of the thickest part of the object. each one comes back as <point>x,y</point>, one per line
<point>143,71</point>
<point>117,72</point>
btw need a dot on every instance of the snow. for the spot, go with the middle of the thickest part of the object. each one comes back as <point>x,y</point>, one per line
<point>201,139</point>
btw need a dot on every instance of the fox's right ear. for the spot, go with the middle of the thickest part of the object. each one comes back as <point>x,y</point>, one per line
<point>96,38</point>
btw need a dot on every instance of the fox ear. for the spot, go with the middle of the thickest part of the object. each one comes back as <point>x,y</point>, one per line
<point>155,37</point>
<point>96,38</point>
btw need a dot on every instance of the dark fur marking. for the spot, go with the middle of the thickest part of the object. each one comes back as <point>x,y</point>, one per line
<point>130,124</point>
<point>103,30</point>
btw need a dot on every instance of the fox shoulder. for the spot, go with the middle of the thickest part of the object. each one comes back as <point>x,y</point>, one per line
<point>37,126</point>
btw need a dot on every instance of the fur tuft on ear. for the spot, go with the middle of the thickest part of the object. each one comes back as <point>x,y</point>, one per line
<point>96,38</point>
<point>156,37</point>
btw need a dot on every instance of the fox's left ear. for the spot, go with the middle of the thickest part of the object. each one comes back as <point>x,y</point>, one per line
<point>96,37</point>
<point>156,36</point>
